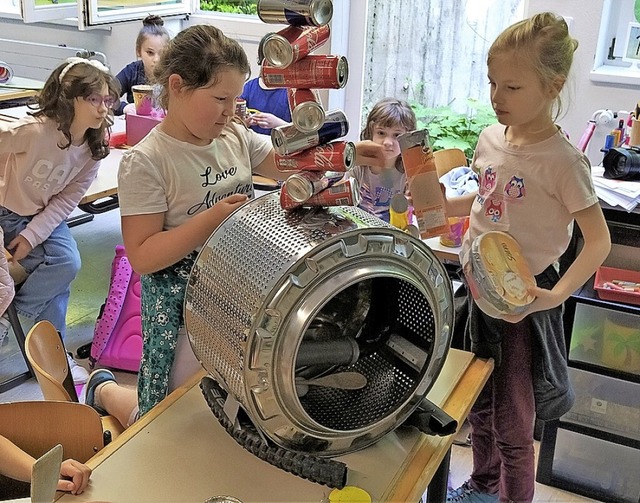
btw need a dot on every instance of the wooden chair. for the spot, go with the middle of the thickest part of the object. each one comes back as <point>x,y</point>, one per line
<point>37,426</point>
<point>18,274</point>
<point>447,159</point>
<point>48,357</point>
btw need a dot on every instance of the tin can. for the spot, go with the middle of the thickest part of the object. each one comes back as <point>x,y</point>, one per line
<point>241,108</point>
<point>288,139</point>
<point>296,12</point>
<point>307,113</point>
<point>337,156</point>
<point>301,186</point>
<point>313,71</point>
<point>345,193</point>
<point>399,211</point>
<point>292,44</point>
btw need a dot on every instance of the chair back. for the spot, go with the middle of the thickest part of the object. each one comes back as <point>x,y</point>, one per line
<point>37,426</point>
<point>48,358</point>
<point>447,159</point>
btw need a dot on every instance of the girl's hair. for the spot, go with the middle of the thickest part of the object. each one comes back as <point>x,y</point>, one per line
<point>152,26</point>
<point>390,112</point>
<point>198,54</point>
<point>79,80</point>
<point>544,41</point>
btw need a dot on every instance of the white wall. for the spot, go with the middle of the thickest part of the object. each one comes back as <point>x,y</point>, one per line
<point>587,96</point>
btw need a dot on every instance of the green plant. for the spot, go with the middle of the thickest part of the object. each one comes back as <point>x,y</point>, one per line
<point>450,129</point>
<point>230,6</point>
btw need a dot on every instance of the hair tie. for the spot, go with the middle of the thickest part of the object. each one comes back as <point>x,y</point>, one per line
<point>71,62</point>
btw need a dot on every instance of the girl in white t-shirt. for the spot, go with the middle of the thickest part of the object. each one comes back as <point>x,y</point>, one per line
<point>175,187</point>
<point>48,160</point>
<point>533,185</point>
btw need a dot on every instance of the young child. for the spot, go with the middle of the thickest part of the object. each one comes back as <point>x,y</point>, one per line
<point>175,187</point>
<point>534,185</point>
<point>272,106</point>
<point>17,464</point>
<point>152,39</point>
<point>388,119</point>
<point>47,162</point>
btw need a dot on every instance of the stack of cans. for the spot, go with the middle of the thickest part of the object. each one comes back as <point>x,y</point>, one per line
<point>310,144</point>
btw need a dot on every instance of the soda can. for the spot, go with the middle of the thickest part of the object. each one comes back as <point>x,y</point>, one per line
<point>292,44</point>
<point>307,113</point>
<point>295,12</point>
<point>241,108</point>
<point>301,186</point>
<point>287,139</point>
<point>345,193</point>
<point>313,71</point>
<point>337,156</point>
<point>399,211</point>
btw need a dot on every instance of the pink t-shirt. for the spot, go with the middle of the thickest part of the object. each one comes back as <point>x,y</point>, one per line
<point>530,192</point>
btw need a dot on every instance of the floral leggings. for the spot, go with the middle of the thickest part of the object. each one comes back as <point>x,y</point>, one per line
<point>162,315</point>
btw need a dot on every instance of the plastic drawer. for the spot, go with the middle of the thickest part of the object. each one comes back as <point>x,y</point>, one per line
<point>596,465</point>
<point>606,338</point>
<point>605,403</point>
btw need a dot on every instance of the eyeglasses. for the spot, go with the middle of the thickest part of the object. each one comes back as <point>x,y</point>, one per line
<point>96,100</point>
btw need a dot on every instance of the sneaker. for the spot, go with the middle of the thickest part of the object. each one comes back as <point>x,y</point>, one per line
<point>78,372</point>
<point>96,378</point>
<point>467,494</point>
<point>5,325</point>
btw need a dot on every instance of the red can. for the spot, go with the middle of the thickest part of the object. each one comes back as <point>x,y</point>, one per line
<point>307,113</point>
<point>313,71</point>
<point>301,186</point>
<point>345,193</point>
<point>337,156</point>
<point>241,108</point>
<point>292,44</point>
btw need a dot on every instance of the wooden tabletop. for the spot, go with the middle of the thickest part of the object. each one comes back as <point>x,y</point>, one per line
<point>19,87</point>
<point>179,452</point>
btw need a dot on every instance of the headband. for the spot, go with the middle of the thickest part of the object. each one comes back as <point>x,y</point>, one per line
<point>71,62</point>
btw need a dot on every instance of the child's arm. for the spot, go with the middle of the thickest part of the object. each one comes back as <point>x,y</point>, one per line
<point>597,244</point>
<point>150,248</point>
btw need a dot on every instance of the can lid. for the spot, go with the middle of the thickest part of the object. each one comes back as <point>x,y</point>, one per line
<point>299,189</point>
<point>308,116</point>
<point>349,155</point>
<point>277,50</point>
<point>343,71</point>
<point>321,11</point>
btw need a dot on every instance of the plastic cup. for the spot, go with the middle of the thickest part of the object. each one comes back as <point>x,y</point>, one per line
<point>143,99</point>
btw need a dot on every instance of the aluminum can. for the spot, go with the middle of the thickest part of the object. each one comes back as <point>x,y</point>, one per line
<point>345,193</point>
<point>301,186</point>
<point>241,108</point>
<point>288,139</point>
<point>311,72</point>
<point>399,211</point>
<point>307,113</point>
<point>292,44</point>
<point>295,12</point>
<point>337,156</point>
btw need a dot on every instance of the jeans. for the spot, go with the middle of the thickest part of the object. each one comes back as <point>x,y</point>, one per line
<point>52,266</point>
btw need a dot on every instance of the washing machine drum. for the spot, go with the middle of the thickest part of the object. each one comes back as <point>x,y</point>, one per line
<point>327,325</point>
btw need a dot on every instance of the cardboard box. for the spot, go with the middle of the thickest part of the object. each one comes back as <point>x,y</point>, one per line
<point>138,126</point>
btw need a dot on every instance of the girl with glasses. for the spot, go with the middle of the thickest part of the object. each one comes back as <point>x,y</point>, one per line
<point>48,160</point>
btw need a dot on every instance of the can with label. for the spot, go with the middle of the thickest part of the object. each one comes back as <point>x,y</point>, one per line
<point>333,156</point>
<point>345,193</point>
<point>301,186</point>
<point>241,108</point>
<point>295,12</point>
<point>288,139</point>
<point>307,113</point>
<point>313,71</point>
<point>292,44</point>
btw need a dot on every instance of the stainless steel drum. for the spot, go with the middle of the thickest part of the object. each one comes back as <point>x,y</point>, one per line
<point>276,299</point>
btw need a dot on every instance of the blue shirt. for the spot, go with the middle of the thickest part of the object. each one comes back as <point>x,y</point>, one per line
<point>272,101</point>
<point>131,75</point>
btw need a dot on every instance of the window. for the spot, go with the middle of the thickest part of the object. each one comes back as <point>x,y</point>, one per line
<point>101,12</point>
<point>230,6</point>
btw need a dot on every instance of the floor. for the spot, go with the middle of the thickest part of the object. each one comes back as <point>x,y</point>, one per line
<point>96,241</point>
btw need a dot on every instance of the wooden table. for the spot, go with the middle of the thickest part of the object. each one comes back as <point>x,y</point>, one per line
<point>178,452</point>
<point>19,87</point>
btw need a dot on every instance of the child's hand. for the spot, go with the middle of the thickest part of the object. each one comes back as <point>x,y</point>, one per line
<point>369,153</point>
<point>223,208</point>
<point>265,120</point>
<point>545,299</point>
<point>19,248</point>
<point>78,474</point>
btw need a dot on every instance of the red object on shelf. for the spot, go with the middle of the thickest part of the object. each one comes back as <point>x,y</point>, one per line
<point>612,275</point>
